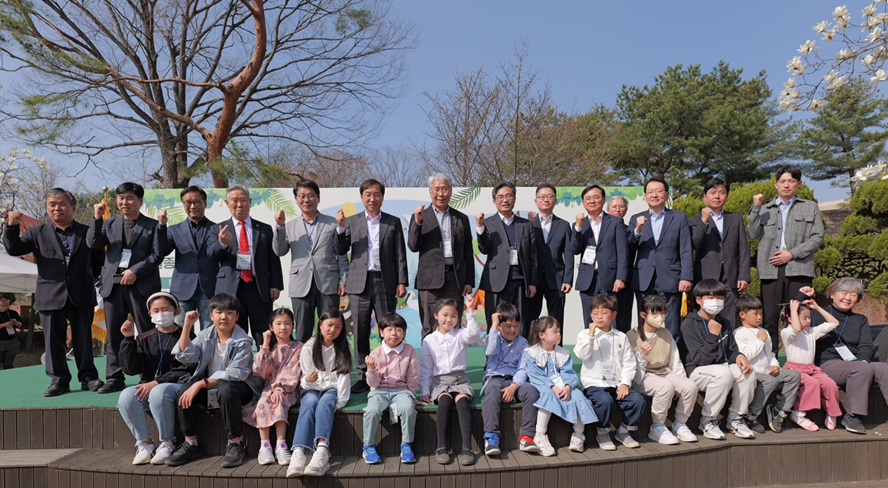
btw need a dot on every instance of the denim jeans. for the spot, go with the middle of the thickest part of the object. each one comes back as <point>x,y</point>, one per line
<point>198,302</point>
<point>315,419</point>
<point>162,403</point>
<point>378,401</point>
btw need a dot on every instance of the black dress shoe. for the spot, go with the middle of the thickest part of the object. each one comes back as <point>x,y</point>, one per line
<point>112,385</point>
<point>91,385</point>
<point>56,390</point>
<point>360,387</point>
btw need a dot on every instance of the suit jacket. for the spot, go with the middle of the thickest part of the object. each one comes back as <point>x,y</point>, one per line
<point>803,236</point>
<point>392,253</point>
<point>192,266</point>
<point>143,262</point>
<point>720,257</point>
<point>427,240</point>
<point>307,260</point>
<point>266,266</point>
<point>672,258</point>
<point>56,281</point>
<point>555,257</point>
<point>612,254</point>
<point>495,244</point>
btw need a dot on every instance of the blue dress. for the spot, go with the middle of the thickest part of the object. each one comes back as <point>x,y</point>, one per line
<point>540,366</point>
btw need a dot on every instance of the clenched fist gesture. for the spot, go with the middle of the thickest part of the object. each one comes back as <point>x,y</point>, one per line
<point>639,224</point>
<point>280,218</point>
<point>100,209</point>
<point>162,217</point>
<point>417,214</point>
<point>128,329</point>
<point>580,217</point>
<point>479,219</point>
<point>758,199</point>
<point>706,213</point>
<point>13,217</point>
<point>340,219</point>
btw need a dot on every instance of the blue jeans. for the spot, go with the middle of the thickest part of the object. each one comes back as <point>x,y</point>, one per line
<point>162,403</point>
<point>198,302</point>
<point>315,419</point>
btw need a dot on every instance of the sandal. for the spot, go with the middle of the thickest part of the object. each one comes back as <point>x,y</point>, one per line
<point>830,422</point>
<point>804,422</point>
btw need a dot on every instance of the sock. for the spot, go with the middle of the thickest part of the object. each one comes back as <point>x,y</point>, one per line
<point>442,419</point>
<point>266,445</point>
<point>281,445</point>
<point>543,417</point>
<point>235,442</point>
<point>465,422</point>
<point>191,443</point>
<point>578,429</point>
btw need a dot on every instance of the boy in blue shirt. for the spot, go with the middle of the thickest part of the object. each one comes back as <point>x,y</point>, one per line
<point>506,381</point>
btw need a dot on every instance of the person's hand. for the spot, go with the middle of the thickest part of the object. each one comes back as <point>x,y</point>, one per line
<point>715,327</point>
<point>128,278</point>
<point>274,293</point>
<point>807,290</point>
<point>277,397</point>
<point>646,348</point>
<point>467,290</point>
<point>479,219</point>
<point>311,377</point>
<point>531,291</point>
<point>509,393</point>
<point>13,217</point>
<point>162,217</point>
<point>340,290</point>
<point>794,305</point>
<point>495,320</point>
<point>775,370</point>
<point>639,223</point>
<point>563,393</point>
<point>565,288</point>
<point>99,210</point>
<point>225,237</point>
<point>468,303</point>
<point>780,258</point>
<point>266,339</point>
<point>743,364</point>
<point>186,398</point>
<point>401,291</point>
<point>619,285</point>
<point>757,200</point>
<point>705,214</point>
<point>531,216</point>
<point>417,214</point>
<point>127,328</point>
<point>762,335</point>
<point>370,362</point>
<point>340,219</point>
<point>190,319</point>
<point>622,392</point>
<point>741,285</point>
<point>811,304</point>
<point>580,217</point>
<point>280,218</point>
<point>144,389</point>
<point>425,400</point>
<point>684,286</point>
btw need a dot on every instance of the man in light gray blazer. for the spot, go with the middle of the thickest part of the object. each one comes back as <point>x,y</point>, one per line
<point>317,273</point>
<point>790,230</point>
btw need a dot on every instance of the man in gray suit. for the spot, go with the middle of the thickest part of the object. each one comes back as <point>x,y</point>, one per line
<point>511,271</point>
<point>721,250</point>
<point>789,230</point>
<point>129,275</point>
<point>443,239</point>
<point>377,274</point>
<point>317,273</point>
<point>555,256</point>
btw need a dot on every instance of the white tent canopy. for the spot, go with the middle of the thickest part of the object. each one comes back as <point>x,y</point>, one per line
<point>17,275</point>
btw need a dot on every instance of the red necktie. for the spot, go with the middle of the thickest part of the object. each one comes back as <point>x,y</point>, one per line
<point>244,248</point>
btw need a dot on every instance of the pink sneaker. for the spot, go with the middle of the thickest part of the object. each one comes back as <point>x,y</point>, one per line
<point>803,422</point>
<point>830,422</point>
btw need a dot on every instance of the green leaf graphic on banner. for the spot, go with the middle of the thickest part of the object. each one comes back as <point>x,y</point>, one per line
<point>464,197</point>
<point>278,200</point>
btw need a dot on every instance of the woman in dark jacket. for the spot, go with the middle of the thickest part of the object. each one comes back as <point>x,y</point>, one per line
<point>10,323</point>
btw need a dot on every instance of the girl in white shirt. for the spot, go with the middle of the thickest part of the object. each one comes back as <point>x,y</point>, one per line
<point>442,374</point>
<point>326,386</point>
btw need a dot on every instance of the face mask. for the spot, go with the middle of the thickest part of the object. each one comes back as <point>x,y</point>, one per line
<point>163,319</point>
<point>3,309</point>
<point>713,307</point>
<point>656,321</point>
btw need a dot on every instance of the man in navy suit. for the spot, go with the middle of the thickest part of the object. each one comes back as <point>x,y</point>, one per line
<point>664,259</point>
<point>129,275</point>
<point>554,241</point>
<point>600,241</point>
<point>194,275</point>
<point>248,267</point>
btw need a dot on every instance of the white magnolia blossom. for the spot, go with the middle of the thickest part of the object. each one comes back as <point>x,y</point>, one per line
<point>880,75</point>
<point>869,59</point>
<point>821,27</point>
<point>790,83</point>
<point>828,35</point>
<point>871,23</point>
<point>795,65</point>
<point>869,10</point>
<point>807,47</point>
<point>844,54</point>
<point>871,172</point>
<point>816,104</point>
<point>883,17</point>
<point>840,12</point>
<point>875,34</point>
<point>837,83</point>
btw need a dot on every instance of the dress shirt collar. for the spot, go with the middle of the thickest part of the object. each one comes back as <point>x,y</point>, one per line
<point>387,350</point>
<point>787,204</point>
<point>248,222</point>
<point>657,215</point>
<point>371,219</point>
<point>506,221</point>
<point>546,220</point>
<point>438,212</point>
<point>596,220</point>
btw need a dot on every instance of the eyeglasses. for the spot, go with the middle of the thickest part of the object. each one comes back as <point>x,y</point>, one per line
<point>602,315</point>
<point>507,196</point>
<point>372,195</point>
<point>658,191</point>
<point>545,198</point>
<point>192,203</point>
<point>306,196</point>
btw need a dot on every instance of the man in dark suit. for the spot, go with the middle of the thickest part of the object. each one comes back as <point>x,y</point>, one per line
<point>66,292</point>
<point>555,258</point>
<point>443,239</point>
<point>248,267</point>
<point>618,205</point>
<point>377,273</point>
<point>664,256</point>
<point>721,251</point>
<point>129,275</point>
<point>511,270</point>
<point>194,275</point>
<point>600,241</point>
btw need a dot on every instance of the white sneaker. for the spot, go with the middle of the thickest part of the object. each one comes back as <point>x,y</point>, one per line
<point>163,452</point>
<point>683,432</point>
<point>266,455</point>
<point>710,429</point>
<point>576,442</point>
<point>659,433</point>
<point>604,441</point>
<point>297,463</point>
<point>624,437</point>
<point>320,462</point>
<point>740,429</point>
<point>282,454</point>
<point>144,453</point>
<point>543,444</point>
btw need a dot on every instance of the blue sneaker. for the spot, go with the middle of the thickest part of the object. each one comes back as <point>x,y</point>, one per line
<point>370,455</point>
<point>491,444</point>
<point>407,455</point>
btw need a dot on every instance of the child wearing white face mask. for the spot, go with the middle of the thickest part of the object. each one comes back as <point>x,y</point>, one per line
<point>661,375</point>
<point>715,364</point>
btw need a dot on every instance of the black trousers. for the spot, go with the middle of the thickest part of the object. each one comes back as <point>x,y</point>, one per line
<point>122,301</point>
<point>253,310</point>
<point>428,299</point>
<point>373,299</point>
<point>232,396</point>
<point>625,297</point>
<point>554,305</point>
<point>775,292</point>
<point>55,326</point>
<point>512,293</point>
<point>305,308</point>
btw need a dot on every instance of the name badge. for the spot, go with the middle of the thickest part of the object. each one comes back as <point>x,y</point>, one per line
<point>10,329</point>
<point>556,379</point>
<point>609,372</point>
<point>513,256</point>
<point>589,255</point>
<point>244,261</point>
<point>374,253</point>
<point>125,257</point>
<point>212,398</point>
<point>846,353</point>
<point>393,413</point>
<point>448,249</point>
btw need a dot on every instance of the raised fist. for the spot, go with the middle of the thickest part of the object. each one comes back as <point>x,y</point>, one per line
<point>640,223</point>
<point>479,219</point>
<point>714,327</point>
<point>371,363</point>
<point>580,217</point>
<point>266,339</point>
<point>758,199</point>
<point>531,216</point>
<point>762,335</point>
<point>162,217</point>
<point>100,209</point>
<point>417,214</point>
<point>280,218</point>
<point>706,213</point>
<point>340,219</point>
<point>13,217</point>
<point>128,329</point>
<point>190,319</point>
